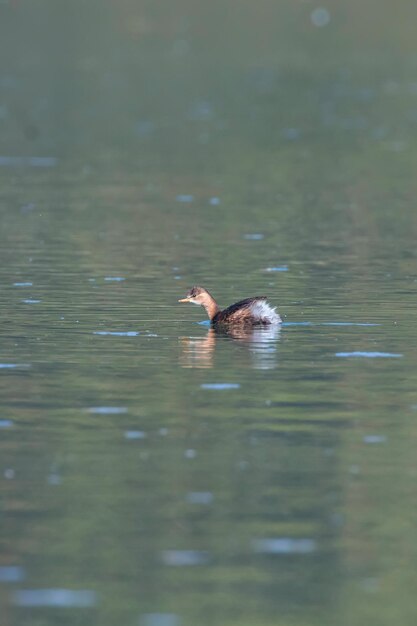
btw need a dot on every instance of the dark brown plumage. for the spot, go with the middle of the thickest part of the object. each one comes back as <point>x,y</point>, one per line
<point>249,312</point>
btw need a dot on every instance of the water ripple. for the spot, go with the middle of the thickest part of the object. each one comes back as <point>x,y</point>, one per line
<point>55,597</point>
<point>11,573</point>
<point>107,410</point>
<point>329,324</point>
<point>185,198</point>
<point>184,558</point>
<point>199,497</point>
<point>160,619</point>
<point>369,355</point>
<point>371,439</point>
<point>219,386</point>
<point>284,545</point>
<point>117,333</point>
<point>22,161</point>
<point>135,434</point>
<point>6,424</point>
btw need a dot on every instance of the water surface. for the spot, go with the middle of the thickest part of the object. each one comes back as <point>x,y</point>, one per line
<point>155,471</point>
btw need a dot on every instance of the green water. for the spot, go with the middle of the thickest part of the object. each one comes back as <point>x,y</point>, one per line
<point>153,471</point>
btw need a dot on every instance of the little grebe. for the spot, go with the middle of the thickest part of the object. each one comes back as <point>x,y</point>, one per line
<point>250,312</point>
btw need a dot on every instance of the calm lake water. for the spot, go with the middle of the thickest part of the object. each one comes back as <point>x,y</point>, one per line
<point>154,471</point>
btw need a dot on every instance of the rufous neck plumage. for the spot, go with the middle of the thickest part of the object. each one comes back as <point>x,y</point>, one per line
<point>208,302</point>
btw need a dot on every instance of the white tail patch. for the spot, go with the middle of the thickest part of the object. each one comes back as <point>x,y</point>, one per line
<point>264,312</point>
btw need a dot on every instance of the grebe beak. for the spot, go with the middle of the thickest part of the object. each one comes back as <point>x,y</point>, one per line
<point>184,300</point>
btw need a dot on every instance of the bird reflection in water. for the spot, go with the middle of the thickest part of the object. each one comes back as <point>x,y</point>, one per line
<point>260,341</point>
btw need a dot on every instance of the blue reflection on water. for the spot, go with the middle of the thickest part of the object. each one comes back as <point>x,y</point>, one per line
<point>107,410</point>
<point>11,573</point>
<point>21,161</point>
<point>374,439</point>
<point>284,545</point>
<point>11,366</point>
<point>55,597</point>
<point>369,355</point>
<point>117,333</point>
<point>329,324</point>
<point>253,236</point>
<point>199,497</point>
<point>135,434</point>
<point>183,558</point>
<point>6,423</point>
<point>218,386</point>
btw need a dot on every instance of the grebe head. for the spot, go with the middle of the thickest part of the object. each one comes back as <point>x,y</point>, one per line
<point>197,295</point>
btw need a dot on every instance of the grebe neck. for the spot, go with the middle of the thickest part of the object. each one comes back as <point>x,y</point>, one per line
<point>210,305</point>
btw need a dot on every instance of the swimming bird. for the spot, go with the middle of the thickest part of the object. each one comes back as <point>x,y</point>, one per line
<point>250,312</point>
